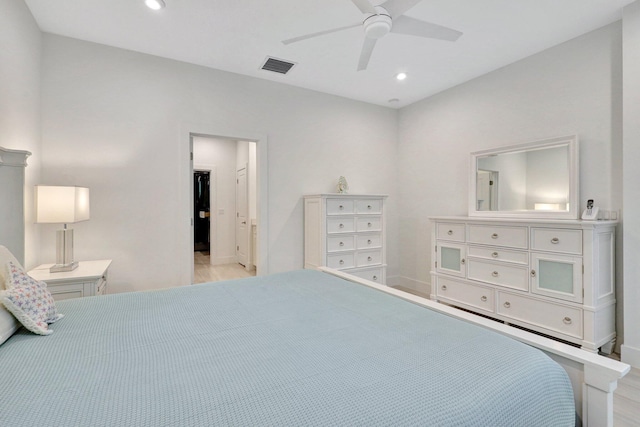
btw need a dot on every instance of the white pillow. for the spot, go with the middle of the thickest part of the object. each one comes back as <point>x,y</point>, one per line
<point>29,300</point>
<point>8,323</point>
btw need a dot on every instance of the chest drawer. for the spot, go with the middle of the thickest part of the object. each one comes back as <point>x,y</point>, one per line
<point>341,261</point>
<point>369,241</point>
<point>340,243</point>
<point>556,240</point>
<point>467,294</point>
<point>369,224</point>
<point>508,275</point>
<point>340,225</point>
<point>499,254</point>
<point>369,206</point>
<point>364,259</point>
<point>495,235</point>
<point>373,274</point>
<point>340,206</point>
<point>555,317</point>
<point>449,231</point>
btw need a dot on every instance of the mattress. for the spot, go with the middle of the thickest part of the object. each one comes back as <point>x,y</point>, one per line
<point>290,349</point>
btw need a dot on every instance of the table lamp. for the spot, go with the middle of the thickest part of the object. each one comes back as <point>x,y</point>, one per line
<point>62,205</point>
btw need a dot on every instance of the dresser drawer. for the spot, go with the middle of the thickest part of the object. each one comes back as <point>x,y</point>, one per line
<point>465,293</point>
<point>369,206</point>
<point>369,224</point>
<point>366,258</point>
<point>495,235</point>
<point>340,225</point>
<point>508,275</point>
<point>555,317</point>
<point>449,231</point>
<point>373,274</point>
<point>368,241</point>
<point>556,240</point>
<point>341,261</point>
<point>340,243</point>
<point>340,206</point>
<point>499,254</point>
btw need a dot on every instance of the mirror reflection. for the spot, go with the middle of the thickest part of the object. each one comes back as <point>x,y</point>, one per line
<point>532,180</point>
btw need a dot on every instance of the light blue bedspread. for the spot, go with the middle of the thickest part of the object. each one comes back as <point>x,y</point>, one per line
<point>291,349</point>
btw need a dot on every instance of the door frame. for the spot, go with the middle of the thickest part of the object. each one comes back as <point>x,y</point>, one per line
<point>213,207</point>
<point>247,225</point>
<point>185,222</point>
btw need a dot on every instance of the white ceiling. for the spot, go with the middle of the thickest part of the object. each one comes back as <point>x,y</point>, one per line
<point>237,36</point>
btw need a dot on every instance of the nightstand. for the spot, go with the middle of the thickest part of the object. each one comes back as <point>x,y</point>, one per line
<point>89,279</point>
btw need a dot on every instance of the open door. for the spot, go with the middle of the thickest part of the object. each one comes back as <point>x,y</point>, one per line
<point>242,208</point>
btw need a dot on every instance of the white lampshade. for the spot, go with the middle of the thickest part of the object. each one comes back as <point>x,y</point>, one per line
<point>61,205</point>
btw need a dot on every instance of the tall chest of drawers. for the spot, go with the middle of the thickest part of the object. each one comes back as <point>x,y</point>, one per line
<point>556,277</point>
<point>346,232</point>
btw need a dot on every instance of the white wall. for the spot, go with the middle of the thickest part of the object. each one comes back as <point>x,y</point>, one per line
<point>113,121</point>
<point>20,53</point>
<point>631,150</point>
<point>572,88</point>
<point>219,156</point>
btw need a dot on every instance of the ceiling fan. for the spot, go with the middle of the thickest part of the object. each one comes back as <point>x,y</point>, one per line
<point>387,18</point>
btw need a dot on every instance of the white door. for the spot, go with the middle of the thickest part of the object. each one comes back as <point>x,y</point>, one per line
<point>486,191</point>
<point>242,230</point>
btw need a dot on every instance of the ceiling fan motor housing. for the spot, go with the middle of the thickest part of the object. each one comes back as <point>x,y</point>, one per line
<point>379,25</point>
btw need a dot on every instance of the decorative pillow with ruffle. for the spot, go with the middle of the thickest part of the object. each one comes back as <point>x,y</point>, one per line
<point>29,300</point>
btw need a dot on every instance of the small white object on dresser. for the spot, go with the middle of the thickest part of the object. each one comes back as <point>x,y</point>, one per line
<point>346,232</point>
<point>556,277</point>
<point>89,279</point>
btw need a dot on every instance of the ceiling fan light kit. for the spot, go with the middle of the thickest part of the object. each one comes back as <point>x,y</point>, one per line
<point>380,22</point>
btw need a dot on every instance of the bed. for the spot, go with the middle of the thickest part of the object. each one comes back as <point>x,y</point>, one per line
<point>298,348</point>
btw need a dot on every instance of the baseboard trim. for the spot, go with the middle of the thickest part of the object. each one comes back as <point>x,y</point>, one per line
<point>630,355</point>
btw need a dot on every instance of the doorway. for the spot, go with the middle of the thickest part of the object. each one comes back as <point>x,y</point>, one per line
<point>225,210</point>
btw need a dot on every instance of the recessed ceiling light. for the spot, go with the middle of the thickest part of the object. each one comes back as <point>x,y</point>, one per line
<point>155,4</point>
<point>401,76</point>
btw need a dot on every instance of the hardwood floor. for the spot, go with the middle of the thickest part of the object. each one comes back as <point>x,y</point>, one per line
<point>205,272</point>
<point>626,398</point>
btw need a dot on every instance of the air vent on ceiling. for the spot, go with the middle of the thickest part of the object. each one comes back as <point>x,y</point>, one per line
<point>277,65</point>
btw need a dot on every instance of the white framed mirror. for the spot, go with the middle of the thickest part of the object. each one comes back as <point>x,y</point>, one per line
<point>534,180</point>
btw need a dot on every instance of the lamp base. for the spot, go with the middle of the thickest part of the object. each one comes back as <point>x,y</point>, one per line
<point>57,268</point>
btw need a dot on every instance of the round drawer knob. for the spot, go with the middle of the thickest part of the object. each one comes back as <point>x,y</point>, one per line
<point>495,274</point>
<point>462,261</point>
<point>369,207</point>
<point>494,236</point>
<point>533,273</point>
<point>483,299</point>
<point>555,240</point>
<point>507,304</point>
<point>341,243</point>
<point>341,225</point>
<point>443,287</point>
<point>375,278</point>
<point>495,254</point>
<point>341,262</point>
<point>567,320</point>
<point>450,232</point>
<point>369,224</point>
<point>369,242</point>
<point>341,207</point>
<point>369,258</point>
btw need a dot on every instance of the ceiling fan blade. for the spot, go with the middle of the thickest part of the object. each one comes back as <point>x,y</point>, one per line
<point>398,7</point>
<point>320,33</point>
<point>365,55</point>
<point>365,6</point>
<point>416,27</point>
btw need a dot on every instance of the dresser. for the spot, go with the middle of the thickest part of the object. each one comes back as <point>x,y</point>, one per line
<point>556,277</point>
<point>88,279</point>
<point>346,232</point>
